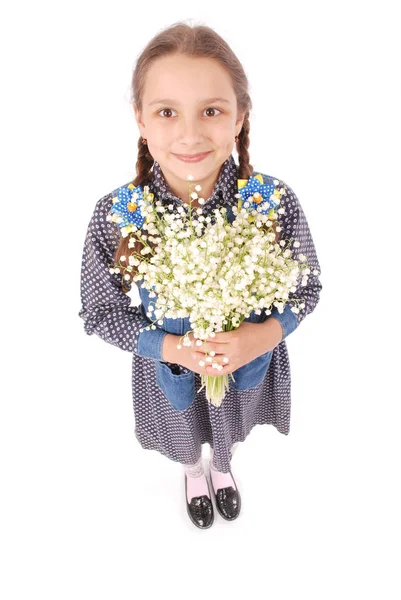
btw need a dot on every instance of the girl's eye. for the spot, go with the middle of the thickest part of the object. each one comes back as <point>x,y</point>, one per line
<point>212,108</point>
<point>163,110</point>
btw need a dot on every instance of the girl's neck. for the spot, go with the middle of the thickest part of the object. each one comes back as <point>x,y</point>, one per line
<point>182,189</point>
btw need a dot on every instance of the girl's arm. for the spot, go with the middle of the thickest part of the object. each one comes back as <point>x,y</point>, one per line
<point>106,309</point>
<point>295,225</point>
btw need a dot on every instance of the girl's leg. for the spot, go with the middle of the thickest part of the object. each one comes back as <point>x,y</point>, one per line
<point>220,480</point>
<point>196,480</point>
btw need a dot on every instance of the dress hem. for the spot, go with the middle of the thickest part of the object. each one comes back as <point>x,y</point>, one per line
<point>148,443</point>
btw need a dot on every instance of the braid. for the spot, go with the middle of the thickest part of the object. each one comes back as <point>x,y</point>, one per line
<point>143,166</point>
<point>245,168</point>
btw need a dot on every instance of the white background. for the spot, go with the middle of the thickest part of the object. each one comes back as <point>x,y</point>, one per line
<point>85,511</point>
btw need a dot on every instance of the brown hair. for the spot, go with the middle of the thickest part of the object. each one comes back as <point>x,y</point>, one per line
<point>197,41</point>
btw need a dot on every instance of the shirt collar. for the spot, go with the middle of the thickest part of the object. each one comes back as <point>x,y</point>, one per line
<point>224,189</point>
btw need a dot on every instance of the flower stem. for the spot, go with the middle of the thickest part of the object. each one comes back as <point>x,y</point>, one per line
<point>216,388</point>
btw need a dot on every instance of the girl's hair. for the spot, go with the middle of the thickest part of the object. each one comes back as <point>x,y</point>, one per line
<point>197,41</point>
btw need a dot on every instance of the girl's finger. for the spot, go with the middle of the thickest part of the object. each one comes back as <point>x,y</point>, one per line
<point>208,361</point>
<point>217,370</point>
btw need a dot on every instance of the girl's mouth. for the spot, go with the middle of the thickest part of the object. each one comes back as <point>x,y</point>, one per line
<point>193,157</point>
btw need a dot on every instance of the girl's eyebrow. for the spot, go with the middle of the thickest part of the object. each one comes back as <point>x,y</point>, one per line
<point>170,101</point>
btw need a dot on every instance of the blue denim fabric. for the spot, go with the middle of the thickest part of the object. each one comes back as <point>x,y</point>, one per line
<point>150,343</point>
<point>179,389</point>
<point>287,319</point>
<point>250,375</point>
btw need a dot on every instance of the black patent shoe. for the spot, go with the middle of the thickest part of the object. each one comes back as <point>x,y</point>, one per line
<point>200,509</point>
<point>228,501</point>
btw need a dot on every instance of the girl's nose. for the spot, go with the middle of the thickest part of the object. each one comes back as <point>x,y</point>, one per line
<point>190,131</point>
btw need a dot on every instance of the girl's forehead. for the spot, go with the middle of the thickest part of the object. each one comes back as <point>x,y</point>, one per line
<point>186,74</point>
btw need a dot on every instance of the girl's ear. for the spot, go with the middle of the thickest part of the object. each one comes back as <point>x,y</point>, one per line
<point>138,118</point>
<point>238,123</point>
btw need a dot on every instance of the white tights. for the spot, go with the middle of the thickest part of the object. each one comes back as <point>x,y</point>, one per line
<point>196,470</point>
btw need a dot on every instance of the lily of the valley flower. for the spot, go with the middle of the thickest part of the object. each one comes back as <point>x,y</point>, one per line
<point>213,271</point>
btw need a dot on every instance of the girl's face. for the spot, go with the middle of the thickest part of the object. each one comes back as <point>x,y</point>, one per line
<point>189,107</point>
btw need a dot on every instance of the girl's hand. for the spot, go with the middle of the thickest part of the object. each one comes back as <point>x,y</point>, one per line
<point>231,349</point>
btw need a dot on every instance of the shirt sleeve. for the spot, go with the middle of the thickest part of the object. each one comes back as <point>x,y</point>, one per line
<point>105,307</point>
<point>295,225</point>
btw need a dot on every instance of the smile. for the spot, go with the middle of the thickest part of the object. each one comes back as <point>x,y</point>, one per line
<point>192,157</point>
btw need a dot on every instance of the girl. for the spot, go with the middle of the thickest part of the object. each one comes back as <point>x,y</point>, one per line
<point>191,104</point>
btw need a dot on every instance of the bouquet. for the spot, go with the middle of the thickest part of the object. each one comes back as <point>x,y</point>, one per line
<point>210,269</point>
